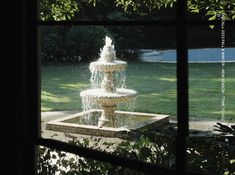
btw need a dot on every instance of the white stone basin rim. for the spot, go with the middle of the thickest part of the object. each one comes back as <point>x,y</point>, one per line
<point>102,66</point>
<point>107,98</point>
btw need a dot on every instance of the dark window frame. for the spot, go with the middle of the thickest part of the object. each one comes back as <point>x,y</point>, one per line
<point>30,73</point>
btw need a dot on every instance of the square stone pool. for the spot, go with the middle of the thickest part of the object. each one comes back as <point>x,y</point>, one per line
<point>123,123</point>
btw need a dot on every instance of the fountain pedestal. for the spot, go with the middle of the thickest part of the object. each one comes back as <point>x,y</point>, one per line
<point>108,83</point>
<point>107,116</point>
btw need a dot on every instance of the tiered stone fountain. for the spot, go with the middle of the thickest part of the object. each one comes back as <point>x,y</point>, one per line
<point>108,96</point>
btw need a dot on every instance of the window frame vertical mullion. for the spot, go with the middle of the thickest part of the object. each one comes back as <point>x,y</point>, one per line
<point>30,107</point>
<point>182,87</point>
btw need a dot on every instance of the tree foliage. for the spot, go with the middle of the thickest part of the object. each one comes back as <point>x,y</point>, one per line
<point>67,9</point>
<point>211,8</point>
<point>58,10</point>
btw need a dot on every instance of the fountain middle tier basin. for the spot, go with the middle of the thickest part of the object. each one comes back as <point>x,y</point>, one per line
<point>102,66</point>
<point>107,98</point>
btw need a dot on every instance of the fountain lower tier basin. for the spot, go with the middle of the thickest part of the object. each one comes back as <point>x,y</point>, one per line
<point>102,66</point>
<point>107,98</point>
<point>132,121</point>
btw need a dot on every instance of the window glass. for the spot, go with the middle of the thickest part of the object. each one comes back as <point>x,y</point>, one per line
<point>76,88</point>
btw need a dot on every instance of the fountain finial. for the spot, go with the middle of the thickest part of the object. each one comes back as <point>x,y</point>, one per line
<point>108,54</point>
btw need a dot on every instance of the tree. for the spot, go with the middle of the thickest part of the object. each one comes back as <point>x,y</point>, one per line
<point>67,9</point>
<point>211,8</point>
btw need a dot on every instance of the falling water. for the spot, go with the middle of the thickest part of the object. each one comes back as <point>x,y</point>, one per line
<point>96,79</point>
<point>87,104</point>
<point>121,120</point>
<point>89,119</point>
<point>120,78</point>
<point>125,121</point>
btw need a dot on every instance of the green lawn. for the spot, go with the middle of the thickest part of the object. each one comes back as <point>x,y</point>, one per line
<point>155,83</point>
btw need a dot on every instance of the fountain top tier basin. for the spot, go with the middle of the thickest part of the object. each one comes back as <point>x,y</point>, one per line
<point>101,66</point>
<point>107,98</point>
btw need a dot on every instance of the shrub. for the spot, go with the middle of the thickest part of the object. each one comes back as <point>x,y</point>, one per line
<point>53,43</point>
<point>211,155</point>
<point>72,44</point>
<point>86,42</point>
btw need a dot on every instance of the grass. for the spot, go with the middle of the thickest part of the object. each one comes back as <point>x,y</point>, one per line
<point>156,86</point>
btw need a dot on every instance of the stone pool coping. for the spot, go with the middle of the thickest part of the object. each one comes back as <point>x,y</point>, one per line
<point>194,123</point>
<point>61,125</point>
